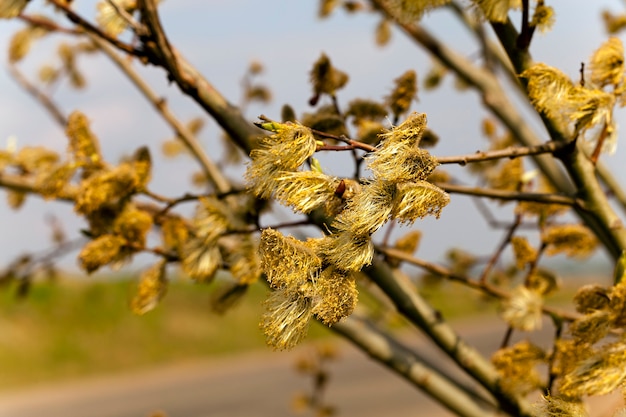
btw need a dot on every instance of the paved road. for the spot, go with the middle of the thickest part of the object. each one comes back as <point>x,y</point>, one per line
<point>254,385</point>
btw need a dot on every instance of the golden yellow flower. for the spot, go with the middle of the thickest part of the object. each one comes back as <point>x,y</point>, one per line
<point>151,289</point>
<point>11,8</point>
<point>289,312</point>
<point>336,295</point>
<point>523,309</point>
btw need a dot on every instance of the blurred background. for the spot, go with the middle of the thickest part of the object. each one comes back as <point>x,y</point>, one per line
<point>83,327</point>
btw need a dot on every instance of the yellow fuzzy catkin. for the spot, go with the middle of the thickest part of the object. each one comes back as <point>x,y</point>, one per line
<point>522,250</point>
<point>607,63</point>
<point>401,163</point>
<point>574,240</point>
<point>347,251</point>
<point>517,367</point>
<point>552,406</point>
<point>497,10</point>
<point>415,200</point>
<point>287,317</point>
<point>286,150</point>
<point>200,261</point>
<point>110,20</point>
<point>337,295</point>
<point>408,11</point>
<point>100,251</point>
<point>11,8</point>
<point>325,78</point>
<point>367,210</point>
<point>287,261</point>
<point>599,374</point>
<point>151,289</point>
<point>83,144</point>
<point>305,190</point>
<point>405,91</point>
<point>523,309</point>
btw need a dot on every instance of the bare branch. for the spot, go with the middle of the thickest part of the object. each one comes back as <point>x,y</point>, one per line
<point>513,195</point>
<point>484,287</point>
<point>192,83</point>
<point>77,19</point>
<point>510,152</point>
<point>211,170</point>
<point>40,96</point>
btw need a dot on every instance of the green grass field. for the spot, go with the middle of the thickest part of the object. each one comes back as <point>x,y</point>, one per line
<point>71,328</point>
<point>84,327</point>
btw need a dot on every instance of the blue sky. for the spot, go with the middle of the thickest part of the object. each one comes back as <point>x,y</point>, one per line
<point>221,37</point>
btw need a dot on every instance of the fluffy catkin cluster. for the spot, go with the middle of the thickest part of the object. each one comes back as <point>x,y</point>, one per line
<point>316,277</point>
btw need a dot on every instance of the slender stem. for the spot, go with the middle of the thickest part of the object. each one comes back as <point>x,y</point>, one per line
<point>40,96</point>
<point>511,152</point>
<point>483,287</point>
<point>513,195</point>
<point>47,24</point>
<point>90,28</point>
<point>210,169</point>
<point>507,239</point>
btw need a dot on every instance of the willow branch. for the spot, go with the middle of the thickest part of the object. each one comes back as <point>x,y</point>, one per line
<point>498,253</point>
<point>379,346</point>
<point>417,310</point>
<point>510,152</point>
<point>47,24</point>
<point>90,28</point>
<point>483,287</point>
<point>192,83</point>
<point>599,217</point>
<point>40,96</point>
<point>210,169</point>
<point>513,195</point>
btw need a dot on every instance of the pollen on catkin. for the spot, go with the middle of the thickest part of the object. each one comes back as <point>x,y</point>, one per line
<point>347,251</point>
<point>367,210</point>
<point>287,261</point>
<point>287,317</point>
<point>305,190</point>
<point>286,150</point>
<point>337,295</point>
<point>415,200</point>
<point>607,63</point>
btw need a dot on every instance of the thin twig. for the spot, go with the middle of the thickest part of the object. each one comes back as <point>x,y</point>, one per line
<point>507,239</point>
<point>47,24</point>
<point>210,169</point>
<point>40,96</point>
<point>90,28</point>
<point>511,152</point>
<point>513,195</point>
<point>484,287</point>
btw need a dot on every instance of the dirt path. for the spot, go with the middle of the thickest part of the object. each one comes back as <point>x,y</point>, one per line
<point>260,384</point>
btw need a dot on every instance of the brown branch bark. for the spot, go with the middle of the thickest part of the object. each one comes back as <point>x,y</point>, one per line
<point>192,83</point>
<point>513,195</point>
<point>599,216</point>
<point>210,169</point>
<point>47,103</point>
